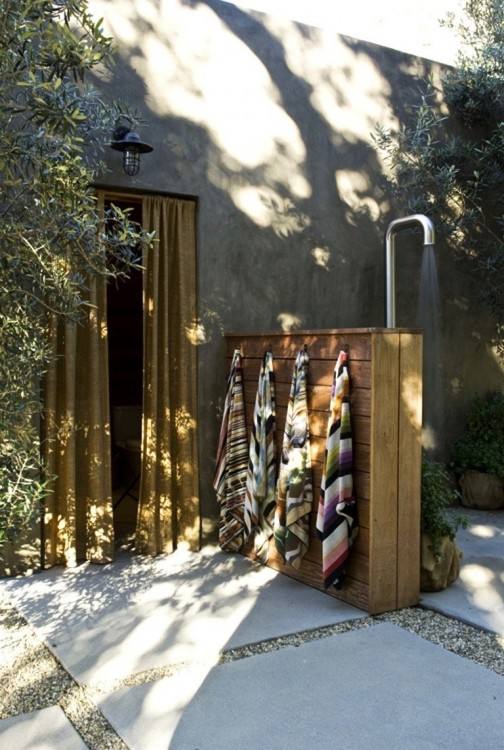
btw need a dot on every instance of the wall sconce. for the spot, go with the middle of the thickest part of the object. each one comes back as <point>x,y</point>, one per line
<point>126,140</point>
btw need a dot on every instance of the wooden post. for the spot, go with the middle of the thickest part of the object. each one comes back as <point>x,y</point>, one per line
<point>384,471</point>
<point>410,470</point>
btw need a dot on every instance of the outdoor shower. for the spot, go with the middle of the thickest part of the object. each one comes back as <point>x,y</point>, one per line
<point>393,227</point>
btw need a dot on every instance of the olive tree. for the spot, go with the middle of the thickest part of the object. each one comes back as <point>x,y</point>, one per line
<point>53,125</point>
<point>448,160</point>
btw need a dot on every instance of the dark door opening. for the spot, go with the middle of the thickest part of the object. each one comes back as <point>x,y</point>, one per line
<point>125,332</point>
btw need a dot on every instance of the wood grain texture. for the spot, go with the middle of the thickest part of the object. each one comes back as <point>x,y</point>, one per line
<point>385,368</point>
<point>355,591</point>
<point>361,547</point>
<point>328,332</point>
<point>319,397</point>
<point>320,372</point>
<point>384,439</point>
<point>409,473</point>
<point>286,346</point>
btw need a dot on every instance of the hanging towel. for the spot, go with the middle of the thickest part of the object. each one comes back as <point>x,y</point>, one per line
<point>232,459</point>
<point>337,512</point>
<point>294,489</point>
<point>261,475</point>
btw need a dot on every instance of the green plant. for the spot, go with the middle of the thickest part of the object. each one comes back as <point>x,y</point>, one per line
<point>438,493</point>
<point>447,160</point>
<point>52,128</point>
<point>482,445</point>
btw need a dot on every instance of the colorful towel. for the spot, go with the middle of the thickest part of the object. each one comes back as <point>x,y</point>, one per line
<point>337,512</point>
<point>261,475</point>
<point>294,488</point>
<point>232,459</point>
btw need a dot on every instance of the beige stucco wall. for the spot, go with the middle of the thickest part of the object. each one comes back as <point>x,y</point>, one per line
<point>269,123</point>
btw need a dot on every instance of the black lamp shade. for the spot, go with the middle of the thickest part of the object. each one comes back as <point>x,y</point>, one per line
<point>131,146</point>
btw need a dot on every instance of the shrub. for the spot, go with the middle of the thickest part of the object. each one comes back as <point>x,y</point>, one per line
<point>438,493</point>
<point>52,128</point>
<point>482,445</point>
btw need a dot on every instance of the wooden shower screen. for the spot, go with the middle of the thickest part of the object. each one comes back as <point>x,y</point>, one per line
<point>386,406</point>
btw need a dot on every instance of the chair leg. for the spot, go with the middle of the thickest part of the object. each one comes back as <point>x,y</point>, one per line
<point>127,492</point>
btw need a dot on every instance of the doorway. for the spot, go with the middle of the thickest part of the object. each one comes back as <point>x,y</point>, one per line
<point>125,338</point>
<point>146,370</point>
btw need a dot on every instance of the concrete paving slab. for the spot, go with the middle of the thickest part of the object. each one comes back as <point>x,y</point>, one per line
<point>48,729</point>
<point>105,623</point>
<point>477,597</point>
<point>379,687</point>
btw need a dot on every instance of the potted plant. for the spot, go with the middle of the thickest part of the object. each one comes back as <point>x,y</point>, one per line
<point>440,558</point>
<point>479,454</point>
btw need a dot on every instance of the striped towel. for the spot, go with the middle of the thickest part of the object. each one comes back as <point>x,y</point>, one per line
<point>337,512</point>
<point>232,458</point>
<point>261,475</point>
<point>294,489</point>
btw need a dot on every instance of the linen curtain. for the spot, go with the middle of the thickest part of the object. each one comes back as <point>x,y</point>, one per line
<point>168,512</point>
<point>76,446</point>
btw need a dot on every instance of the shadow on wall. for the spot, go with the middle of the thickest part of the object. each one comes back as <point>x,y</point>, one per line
<point>269,122</point>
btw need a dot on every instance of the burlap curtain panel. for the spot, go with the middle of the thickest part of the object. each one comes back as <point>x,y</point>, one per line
<point>76,431</point>
<point>168,513</point>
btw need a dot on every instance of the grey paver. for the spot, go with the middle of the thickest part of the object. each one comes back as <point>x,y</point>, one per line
<point>477,597</point>
<point>48,729</point>
<point>379,687</point>
<point>105,623</point>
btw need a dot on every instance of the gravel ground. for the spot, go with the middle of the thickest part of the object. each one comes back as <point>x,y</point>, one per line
<point>472,643</point>
<point>468,641</point>
<point>31,678</point>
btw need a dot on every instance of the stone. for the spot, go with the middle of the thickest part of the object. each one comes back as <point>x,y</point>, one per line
<point>140,613</point>
<point>482,491</point>
<point>439,571</point>
<point>379,687</point>
<point>477,596</point>
<point>47,729</point>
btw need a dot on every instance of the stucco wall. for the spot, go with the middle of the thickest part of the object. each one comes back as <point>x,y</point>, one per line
<point>269,123</point>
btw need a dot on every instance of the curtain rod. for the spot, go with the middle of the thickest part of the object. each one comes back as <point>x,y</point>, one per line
<point>139,193</point>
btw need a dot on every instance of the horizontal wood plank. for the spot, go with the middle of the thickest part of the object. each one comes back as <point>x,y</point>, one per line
<point>286,346</point>
<point>354,591</point>
<point>361,544</point>
<point>319,397</point>
<point>361,425</point>
<point>361,459</point>
<point>302,332</point>
<point>320,371</point>
<point>318,445</point>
